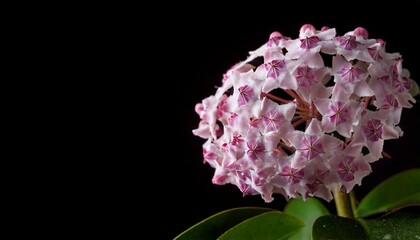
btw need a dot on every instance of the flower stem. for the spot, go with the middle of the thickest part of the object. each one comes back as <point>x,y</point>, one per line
<point>343,203</point>
<point>353,202</point>
<point>274,98</point>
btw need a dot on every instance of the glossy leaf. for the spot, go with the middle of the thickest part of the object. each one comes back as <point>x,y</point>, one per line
<point>307,211</point>
<point>273,225</point>
<point>398,225</point>
<point>400,190</point>
<point>333,227</point>
<point>215,225</point>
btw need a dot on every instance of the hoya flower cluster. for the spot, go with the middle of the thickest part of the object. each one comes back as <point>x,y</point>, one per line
<point>308,118</point>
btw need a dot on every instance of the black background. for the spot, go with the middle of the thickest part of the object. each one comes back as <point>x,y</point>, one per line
<point>125,163</point>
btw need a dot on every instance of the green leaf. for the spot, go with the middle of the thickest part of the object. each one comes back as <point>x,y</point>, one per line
<point>400,190</point>
<point>398,225</point>
<point>273,225</point>
<point>334,227</point>
<point>215,225</point>
<point>307,211</point>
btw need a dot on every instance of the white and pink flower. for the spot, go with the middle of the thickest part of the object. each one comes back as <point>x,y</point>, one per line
<point>297,127</point>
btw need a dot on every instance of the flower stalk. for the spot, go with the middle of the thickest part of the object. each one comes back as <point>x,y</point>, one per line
<point>343,203</point>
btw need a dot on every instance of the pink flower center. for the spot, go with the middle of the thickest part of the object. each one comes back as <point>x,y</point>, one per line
<point>338,113</point>
<point>245,94</point>
<point>293,175</point>
<point>309,42</point>
<point>254,149</point>
<point>312,147</point>
<point>347,168</point>
<point>373,130</point>
<point>348,43</point>
<point>274,40</point>
<point>305,76</point>
<point>350,74</point>
<point>274,68</point>
<point>389,102</point>
<point>272,120</point>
